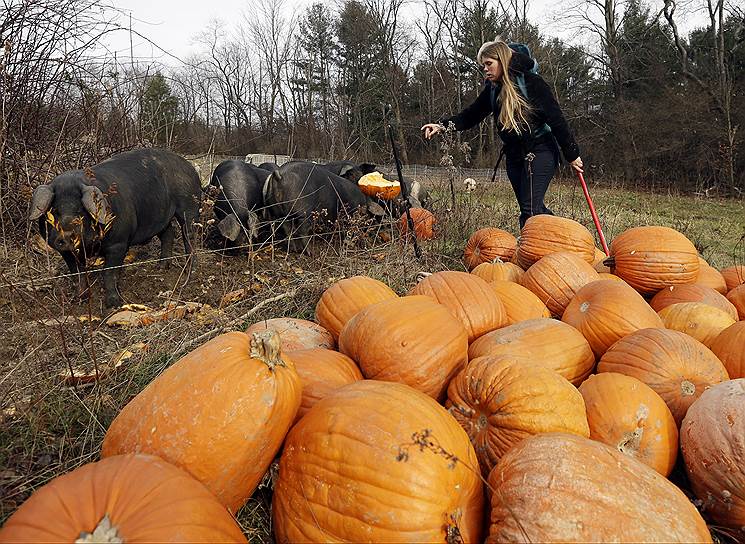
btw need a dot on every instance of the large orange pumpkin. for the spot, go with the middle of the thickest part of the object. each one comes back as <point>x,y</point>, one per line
<point>700,320</point>
<point>692,292</point>
<point>377,462</point>
<point>295,333</point>
<point>133,498</point>
<point>545,342</point>
<point>520,304</point>
<point>557,277</point>
<point>628,415</point>
<point>322,371</point>
<point>486,245</point>
<point>712,439</point>
<point>424,223</point>
<point>544,234</point>
<point>340,302</point>
<point>498,271</point>
<point>606,310</point>
<point>468,297</point>
<point>501,400</point>
<point>221,413</point>
<point>412,340</point>
<point>565,488</point>
<point>677,366</point>
<point>733,276</point>
<point>651,258</point>
<point>729,347</point>
<point>711,277</point>
<point>737,297</point>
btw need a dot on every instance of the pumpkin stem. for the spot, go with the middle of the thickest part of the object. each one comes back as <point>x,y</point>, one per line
<point>497,260</point>
<point>610,262</point>
<point>452,531</point>
<point>104,533</point>
<point>265,346</point>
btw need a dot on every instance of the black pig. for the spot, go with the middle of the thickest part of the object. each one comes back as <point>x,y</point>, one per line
<point>300,193</point>
<point>123,201</point>
<point>239,203</point>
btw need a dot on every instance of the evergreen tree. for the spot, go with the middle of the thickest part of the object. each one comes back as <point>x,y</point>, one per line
<point>158,110</point>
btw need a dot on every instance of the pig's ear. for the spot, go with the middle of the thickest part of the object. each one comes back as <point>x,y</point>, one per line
<point>230,227</point>
<point>345,169</point>
<point>273,178</point>
<point>41,201</point>
<point>96,204</point>
<point>374,208</point>
<point>367,167</point>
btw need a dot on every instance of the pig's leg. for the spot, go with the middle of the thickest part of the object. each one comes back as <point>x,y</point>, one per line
<point>186,222</point>
<point>113,260</point>
<point>76,268</point>
<point>166,245</point>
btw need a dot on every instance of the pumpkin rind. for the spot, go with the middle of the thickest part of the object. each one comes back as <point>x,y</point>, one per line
<point>566,488</point>
<point>711,277</point>
<point>352,471</point>
<point>712,439</point>
<point>692,292</point>
<point>557,277</point>
<point>626,414</point>
<point>651,258</point>
<point>295,333</point>
<point>144,498</point>
<point>544,234</point>
<point>677,366</point>
<point>322,371</point>
<point>737,297</point>
<point>424,223</point>
<point>486,245</point>
<point>341,302</point>
<point>733,276</point>
<point>605,311</point>
<point>729,347</point>
<point>520,304</point>
<point>702,321</point>
<point>501,400</point>
<point>468,297</point>
<point>546,342</point>
<point>220,413</point>
<point>412,340</point>
<point>498,271</point>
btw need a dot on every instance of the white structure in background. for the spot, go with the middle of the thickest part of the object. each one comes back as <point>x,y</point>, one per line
<point>259,158</point>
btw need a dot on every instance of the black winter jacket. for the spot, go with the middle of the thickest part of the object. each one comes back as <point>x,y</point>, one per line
<point>544,109</point>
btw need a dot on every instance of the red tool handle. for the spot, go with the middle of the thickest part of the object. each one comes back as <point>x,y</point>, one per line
<point>593,212</point>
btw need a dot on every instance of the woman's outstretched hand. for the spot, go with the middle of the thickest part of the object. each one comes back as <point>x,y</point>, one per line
<point>576,164</point>
<point>430,129</point>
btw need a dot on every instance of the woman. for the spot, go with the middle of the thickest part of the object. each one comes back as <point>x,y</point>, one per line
<point>527,125</point>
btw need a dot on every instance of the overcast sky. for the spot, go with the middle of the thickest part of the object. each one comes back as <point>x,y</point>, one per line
<point>172,24</point>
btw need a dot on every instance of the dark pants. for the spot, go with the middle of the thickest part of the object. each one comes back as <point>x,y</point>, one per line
<point>530,192</point>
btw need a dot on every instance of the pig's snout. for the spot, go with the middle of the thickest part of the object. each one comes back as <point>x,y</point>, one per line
<point>64,243</point>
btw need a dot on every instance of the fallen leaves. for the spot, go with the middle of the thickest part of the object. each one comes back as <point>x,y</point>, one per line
<point>139,315</point>
<point>86,374</point>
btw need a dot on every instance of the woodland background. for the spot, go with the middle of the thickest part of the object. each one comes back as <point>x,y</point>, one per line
<point>650,106</point>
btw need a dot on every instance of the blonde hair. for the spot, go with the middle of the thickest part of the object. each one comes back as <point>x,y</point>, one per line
<point>514,108</point>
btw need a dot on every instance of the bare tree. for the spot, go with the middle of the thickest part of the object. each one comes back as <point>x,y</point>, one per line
<point>721,93</point>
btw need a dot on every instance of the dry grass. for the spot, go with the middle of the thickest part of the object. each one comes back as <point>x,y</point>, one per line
<point>47,428</point>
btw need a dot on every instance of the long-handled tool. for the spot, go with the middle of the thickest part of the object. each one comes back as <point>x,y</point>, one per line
<point>404,188</point>
<point>593,212</point>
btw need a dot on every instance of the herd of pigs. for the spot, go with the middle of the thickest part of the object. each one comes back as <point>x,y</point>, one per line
<point>134,196</point>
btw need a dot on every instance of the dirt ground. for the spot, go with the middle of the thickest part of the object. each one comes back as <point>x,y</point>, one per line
<point>65,373</point>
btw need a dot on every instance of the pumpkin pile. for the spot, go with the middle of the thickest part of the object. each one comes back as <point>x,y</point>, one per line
<point>544,396</point>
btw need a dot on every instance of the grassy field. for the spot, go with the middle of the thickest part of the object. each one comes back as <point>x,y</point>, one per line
<point>48,427</point>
